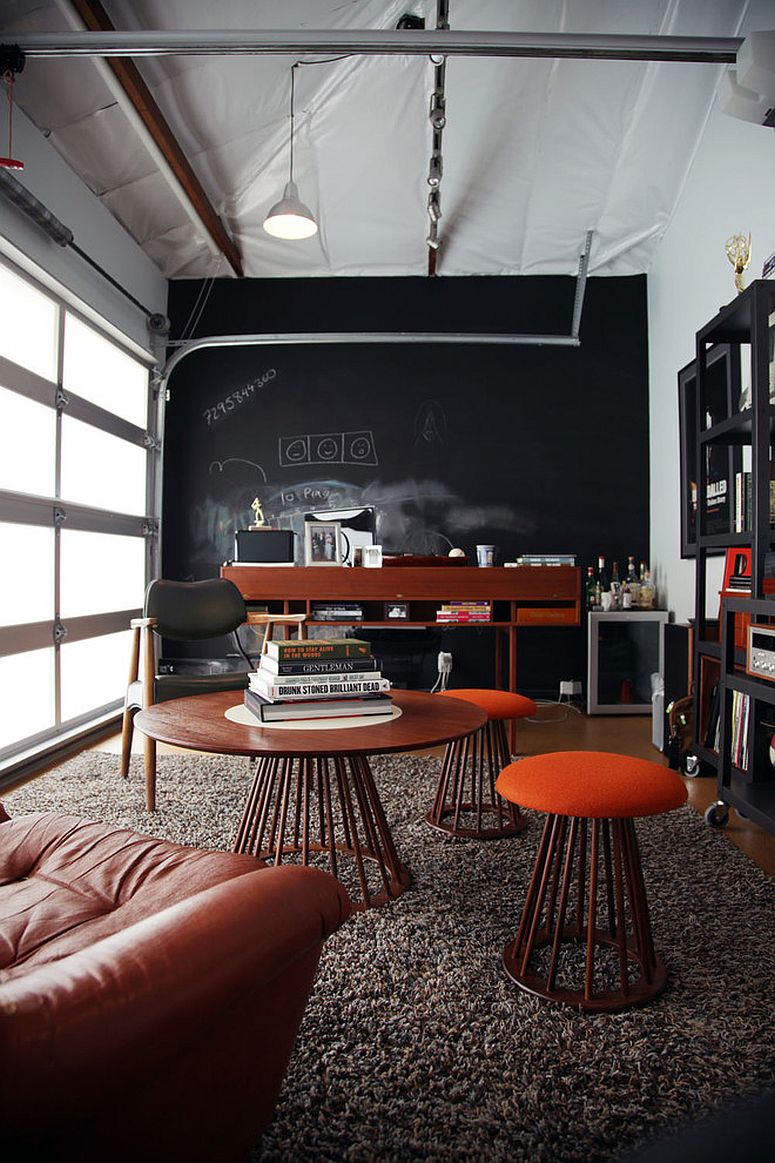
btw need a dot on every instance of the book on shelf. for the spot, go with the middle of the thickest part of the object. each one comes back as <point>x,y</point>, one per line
<point>317,648</point>
<point>336,611</point>
<point>307,667</point>
<point>543,559</point>
<point>475,611</point>
<point>318,688</point>
<point>744,501</point>
<point>738,740</point>
<point>268,712</point>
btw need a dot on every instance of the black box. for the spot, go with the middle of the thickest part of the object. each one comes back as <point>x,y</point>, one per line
<point>263,545</point>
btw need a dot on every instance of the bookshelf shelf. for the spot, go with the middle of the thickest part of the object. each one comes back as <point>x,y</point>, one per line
<point>720,440</point>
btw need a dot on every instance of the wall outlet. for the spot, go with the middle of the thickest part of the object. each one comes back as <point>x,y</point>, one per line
<point>571,688</point>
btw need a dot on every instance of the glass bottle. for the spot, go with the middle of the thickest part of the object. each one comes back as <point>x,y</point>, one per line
<point>604,584</point>
<point>632,582</point>
<point>616,587</point>
<point>647,593</point>
<point>590,588</point>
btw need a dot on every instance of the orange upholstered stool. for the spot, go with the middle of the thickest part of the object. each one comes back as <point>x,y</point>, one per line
<point>584,937</point>
<point>466,802</point>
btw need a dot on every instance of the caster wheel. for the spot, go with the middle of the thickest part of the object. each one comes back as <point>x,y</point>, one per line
<point>717,815</point>
<point>689,764</point>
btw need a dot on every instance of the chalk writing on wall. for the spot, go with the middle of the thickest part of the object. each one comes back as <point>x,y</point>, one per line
<point>430,423</point>
<point>237,398</point>
<point>219,465</point>
<point>328,448</point>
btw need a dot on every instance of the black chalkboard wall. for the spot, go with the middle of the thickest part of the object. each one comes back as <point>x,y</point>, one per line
<point>534,449</point>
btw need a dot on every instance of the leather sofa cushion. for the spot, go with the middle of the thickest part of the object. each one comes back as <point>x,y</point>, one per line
<point>66,883</point>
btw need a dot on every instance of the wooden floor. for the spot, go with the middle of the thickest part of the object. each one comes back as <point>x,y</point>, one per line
<point>564,728</point>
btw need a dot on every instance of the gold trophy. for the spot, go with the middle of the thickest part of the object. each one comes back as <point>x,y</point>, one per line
<point>738,251</point>
<point>260,520</point>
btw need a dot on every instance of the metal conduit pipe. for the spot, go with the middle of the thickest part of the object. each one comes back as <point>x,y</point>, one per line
<point>374,42</point>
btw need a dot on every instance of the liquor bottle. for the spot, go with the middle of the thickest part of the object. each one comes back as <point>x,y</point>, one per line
<point>604,585</point>
<point>616,587</point>
<point>632,581</point>
<point>602,575</point>
<point>590,588</point>
<point>626,594</point>
<point>647,594</point>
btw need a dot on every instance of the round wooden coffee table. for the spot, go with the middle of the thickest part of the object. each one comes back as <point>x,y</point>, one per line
<point>313,794</point>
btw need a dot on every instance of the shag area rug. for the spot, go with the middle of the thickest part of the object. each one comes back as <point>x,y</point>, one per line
<point>416,1046</point>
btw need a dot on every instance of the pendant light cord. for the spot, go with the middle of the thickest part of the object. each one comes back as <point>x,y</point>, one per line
<point>293,87</point>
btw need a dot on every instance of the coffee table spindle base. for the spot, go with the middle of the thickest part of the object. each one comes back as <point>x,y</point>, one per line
<point>308,807</point>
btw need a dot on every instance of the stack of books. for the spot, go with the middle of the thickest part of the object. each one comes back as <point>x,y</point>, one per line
<point>337,612</point>
<point>317,678</point>
<point>543,559</point>
<point>464,612</point>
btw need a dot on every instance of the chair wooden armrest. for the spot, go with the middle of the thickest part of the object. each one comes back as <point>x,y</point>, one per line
<point>139,623</point>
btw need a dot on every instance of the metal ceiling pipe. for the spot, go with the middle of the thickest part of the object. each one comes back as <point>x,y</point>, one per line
<point>376,42</point>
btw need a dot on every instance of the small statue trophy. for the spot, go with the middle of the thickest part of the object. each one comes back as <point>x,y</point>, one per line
<point>260,521</point>
<point>738,251</point>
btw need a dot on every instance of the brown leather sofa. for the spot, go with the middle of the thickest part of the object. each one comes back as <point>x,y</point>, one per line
<point>150,994</point>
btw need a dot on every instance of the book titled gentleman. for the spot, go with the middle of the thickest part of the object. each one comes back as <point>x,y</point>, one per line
<point>268,712</point>
<point>312,666</point>
<point>317,648</point>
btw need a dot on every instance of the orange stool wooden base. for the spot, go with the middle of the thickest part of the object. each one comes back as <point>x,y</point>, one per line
<point>584,937</point>
<point>466,801</point>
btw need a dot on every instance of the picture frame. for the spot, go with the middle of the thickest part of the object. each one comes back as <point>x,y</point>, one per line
<point>323,543</point>
<point>720,463</point>
<point>372,556</point>
<point>396,611</point>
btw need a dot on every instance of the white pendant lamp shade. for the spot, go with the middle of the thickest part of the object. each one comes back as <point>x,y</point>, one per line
<point>290,218</point>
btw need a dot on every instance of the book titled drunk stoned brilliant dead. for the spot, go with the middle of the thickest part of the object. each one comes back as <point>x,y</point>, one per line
<point>268,712</point>
<point>317,648</point>
<point>318,689</point>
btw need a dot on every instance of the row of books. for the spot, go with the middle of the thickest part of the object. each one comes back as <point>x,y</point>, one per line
<point>464,612</point>
<point>744,501</point>
<point>738,723</point>
<point>315,678</point>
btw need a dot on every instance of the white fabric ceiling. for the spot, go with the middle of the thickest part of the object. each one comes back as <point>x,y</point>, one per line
<point>536,151</point>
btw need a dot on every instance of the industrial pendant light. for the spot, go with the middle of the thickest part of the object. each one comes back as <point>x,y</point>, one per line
<point>290,218</point>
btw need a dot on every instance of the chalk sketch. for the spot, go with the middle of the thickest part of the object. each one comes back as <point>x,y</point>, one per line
<point>328,448</point>
<point>237,398</point>
<point>430,423</point>
<point>220,465</point>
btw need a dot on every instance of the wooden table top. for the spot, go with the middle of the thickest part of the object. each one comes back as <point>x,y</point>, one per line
<point>198,722</point>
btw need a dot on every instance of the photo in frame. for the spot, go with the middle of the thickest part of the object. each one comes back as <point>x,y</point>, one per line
<point>372,556</point>
<point>322,543</point>
<point>396,611</point>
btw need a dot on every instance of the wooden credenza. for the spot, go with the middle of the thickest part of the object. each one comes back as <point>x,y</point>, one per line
<point>522,596</point>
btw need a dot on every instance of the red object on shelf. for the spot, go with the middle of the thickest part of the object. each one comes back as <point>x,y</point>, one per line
<point>737,565</point>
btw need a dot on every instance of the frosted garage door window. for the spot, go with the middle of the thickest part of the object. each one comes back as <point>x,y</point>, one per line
<point>27,576</point>
<point>101,470</point>
<point>100,572</point>
<point>27,441</point>
<point>93,673</point>
<point>27,683</point>
<point>101,372</point>
<point>28,326</point>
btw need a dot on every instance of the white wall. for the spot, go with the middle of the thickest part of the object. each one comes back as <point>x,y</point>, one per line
<point>730,190</point>
<point>96,232</point>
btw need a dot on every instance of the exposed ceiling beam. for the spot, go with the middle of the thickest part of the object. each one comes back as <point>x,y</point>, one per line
<point>375,42</point>
<point>152,119</point>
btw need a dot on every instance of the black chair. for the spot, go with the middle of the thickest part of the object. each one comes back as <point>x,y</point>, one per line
<point>183,611</point>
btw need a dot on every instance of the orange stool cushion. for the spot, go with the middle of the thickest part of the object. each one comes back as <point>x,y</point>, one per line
<point>497,704</point>
<point>592,784</point>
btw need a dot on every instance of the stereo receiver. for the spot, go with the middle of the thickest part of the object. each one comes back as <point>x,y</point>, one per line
<point>761,651</point>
